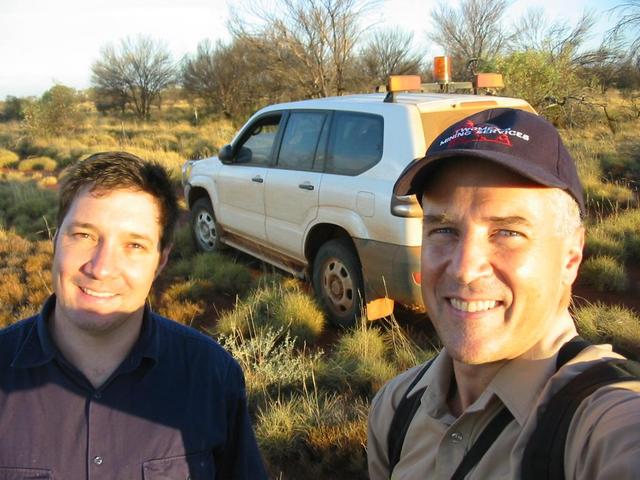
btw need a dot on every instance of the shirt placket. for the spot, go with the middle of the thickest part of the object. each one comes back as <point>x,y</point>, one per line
<point>100,465</point>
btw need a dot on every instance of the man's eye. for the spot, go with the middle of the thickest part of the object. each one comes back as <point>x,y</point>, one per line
<point>441,231</point>
<point>509,233</point>
<point>81,235</point>
<point>136,246</point>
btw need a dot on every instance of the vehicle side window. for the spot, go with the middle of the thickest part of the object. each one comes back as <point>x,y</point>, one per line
<point>356,143</point>
<point>257,145</point>
<point>300,140</point>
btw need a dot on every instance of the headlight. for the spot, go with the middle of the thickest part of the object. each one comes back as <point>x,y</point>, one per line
<point>186,171</point>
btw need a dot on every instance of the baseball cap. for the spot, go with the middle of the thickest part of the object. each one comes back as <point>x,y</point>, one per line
<point>521,141</point>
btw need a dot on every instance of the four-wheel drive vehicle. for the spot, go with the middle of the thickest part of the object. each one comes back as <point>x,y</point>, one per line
<point>307,187</point>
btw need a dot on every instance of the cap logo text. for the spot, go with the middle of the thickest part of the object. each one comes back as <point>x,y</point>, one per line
<point>471,132</point>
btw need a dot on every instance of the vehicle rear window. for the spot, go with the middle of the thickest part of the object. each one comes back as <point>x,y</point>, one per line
<point>356,143</point>
<point>300,140</point>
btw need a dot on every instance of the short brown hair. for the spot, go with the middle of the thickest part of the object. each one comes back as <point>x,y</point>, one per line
<point>107,171</point>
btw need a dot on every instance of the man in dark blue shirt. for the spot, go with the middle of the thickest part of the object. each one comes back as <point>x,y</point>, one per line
<point>97,386</point>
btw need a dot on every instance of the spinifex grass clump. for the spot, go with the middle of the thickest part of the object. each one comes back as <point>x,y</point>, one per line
<point>222,271</point>
<point>8,158</point>
<point>38,164</point>
<point>26,276</point>
<point>276,305</point>
<point>30,210</point>
<point>605,273</point>
<point>617,235</point>
<point>612,324</point>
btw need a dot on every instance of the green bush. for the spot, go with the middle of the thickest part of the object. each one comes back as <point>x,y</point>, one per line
<point>617,235</point>
<point>8,158</point>
<point>605,273</point>
<point>278,305</point>
<point>270,361</point>
<point>226,275</point>
<point>615,324</point>
<point>38,163</point>
<point>30,210</point>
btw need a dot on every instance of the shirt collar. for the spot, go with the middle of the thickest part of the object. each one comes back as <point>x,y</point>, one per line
<point>518,384</point>
<point>38,347</point>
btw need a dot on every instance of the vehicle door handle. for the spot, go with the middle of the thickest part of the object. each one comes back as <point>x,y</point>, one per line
<point>306,186</point>
<point>257,179</point>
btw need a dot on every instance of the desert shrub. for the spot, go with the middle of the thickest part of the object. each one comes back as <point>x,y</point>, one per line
<point>8,158</point>
<point>270,361</point>
<point>226,275</point>
<point>30,210</point>
<point>25,271</point>
<point>274,305</point>
<point>606,197</point>
<point>298,312</point>
<point>612,324</point>
<point>314,434</point>
<point>359,362</point>
<point>183,244</point>
<point>605,273</point>
<point>38,163</point>
<point>183,312</point>
<point>57,112</point>
<point>617,235</point>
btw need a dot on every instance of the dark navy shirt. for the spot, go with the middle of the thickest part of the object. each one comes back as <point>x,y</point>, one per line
<point>174,409</point>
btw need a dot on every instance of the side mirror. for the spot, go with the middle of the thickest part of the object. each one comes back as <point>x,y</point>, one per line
<point>226,154</point>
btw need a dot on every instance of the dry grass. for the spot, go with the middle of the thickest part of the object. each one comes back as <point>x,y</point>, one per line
<point>615,324</point>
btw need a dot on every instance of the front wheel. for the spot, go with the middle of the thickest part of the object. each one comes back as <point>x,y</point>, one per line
<point>337,282</point>
<point>204,226</point>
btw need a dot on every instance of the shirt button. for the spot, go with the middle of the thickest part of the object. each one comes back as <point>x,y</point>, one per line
<point>98,460</point>
<point>97,395</point>
<point>456,437</point>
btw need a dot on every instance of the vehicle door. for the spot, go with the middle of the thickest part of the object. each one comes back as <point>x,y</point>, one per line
<point>291,193</point>
<point>241,181</point>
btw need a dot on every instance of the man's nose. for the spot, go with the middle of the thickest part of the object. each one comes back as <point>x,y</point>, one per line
<point>471,259</point>
<point>103,262</point>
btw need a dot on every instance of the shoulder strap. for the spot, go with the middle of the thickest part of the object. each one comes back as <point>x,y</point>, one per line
<point>405,412</point>
<point>489,435</point>
<point>544,454</point>
<point>402,419</point>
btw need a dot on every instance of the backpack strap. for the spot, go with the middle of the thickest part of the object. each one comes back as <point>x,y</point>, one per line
<point>405,412</point>
<point>402,418</point>
<point>544,454</point>
<point>489,435</point>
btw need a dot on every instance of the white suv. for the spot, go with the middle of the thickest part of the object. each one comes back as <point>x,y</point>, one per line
<point>307,186</point>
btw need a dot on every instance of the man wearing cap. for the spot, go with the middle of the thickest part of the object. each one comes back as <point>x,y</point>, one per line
<point>502,244</point>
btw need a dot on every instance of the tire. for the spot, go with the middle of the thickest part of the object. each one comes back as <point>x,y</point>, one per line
<point>204,226</point>
<point>337,282</point>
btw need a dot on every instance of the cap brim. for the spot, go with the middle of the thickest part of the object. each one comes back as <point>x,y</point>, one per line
<point>412,179</point>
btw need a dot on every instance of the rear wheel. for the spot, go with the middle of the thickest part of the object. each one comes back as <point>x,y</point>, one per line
<point>204,226</point>
<point>337,281</point>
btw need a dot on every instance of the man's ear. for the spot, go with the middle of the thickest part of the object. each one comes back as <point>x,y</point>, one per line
<point>575,246</point>
<point>164,258</point>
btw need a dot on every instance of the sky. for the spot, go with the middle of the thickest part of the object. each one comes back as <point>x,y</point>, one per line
<point>45,42</point>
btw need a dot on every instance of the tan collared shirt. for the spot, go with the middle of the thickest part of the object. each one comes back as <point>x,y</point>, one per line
<point>603,440</point>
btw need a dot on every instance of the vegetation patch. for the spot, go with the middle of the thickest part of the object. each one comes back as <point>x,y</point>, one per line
<point>8,158</point>
<point>605,273</point>
<point>38,164</point>
<point>614,324</point>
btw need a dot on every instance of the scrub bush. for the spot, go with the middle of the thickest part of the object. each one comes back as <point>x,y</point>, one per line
<point>614,324</point>
<point>8,158</point>
<point>38,163</point>
<point>605,273</point>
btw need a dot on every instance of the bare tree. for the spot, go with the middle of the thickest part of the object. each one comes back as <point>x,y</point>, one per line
<point>309,43</point>
<point>473,31</point>
<point>232,79</point>
<point>628,22</point>
<point>389,52</point>
<point>136,72</point>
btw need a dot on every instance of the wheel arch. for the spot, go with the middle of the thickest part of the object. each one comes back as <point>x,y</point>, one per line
<point>320,234</point>
<point>195,194</point>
